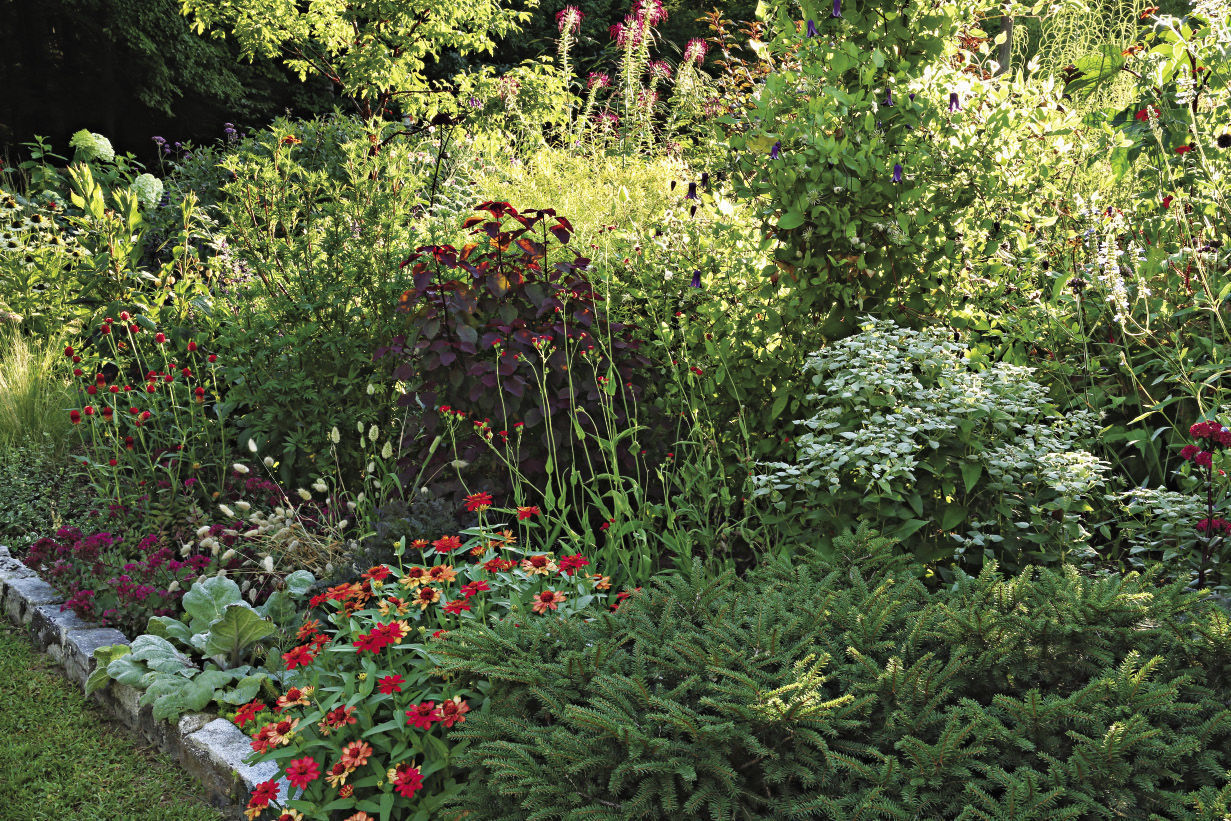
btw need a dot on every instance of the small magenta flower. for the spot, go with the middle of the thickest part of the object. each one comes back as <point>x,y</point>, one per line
<point>837,8</point>
<point>599,79</point>
<point>897,172</point>
<point>695,50</point>
<point>812,32</point>
<point>696,280</point>
<point>955,104</point>
<point>775,151</point>
<point>569,19</point>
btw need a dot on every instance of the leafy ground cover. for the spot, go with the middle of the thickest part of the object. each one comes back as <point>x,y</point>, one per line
<point>60,759</point>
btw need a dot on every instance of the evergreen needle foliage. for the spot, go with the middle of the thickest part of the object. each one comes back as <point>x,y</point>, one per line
<point>847,689</point>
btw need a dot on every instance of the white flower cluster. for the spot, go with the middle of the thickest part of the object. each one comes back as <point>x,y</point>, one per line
<point>888,397</point>
<point>92,146</point>
<point>148,190</point>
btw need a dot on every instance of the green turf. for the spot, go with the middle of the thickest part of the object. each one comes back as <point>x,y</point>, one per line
<point>61,760</point>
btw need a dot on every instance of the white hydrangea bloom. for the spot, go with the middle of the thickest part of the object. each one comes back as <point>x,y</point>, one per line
<point>92,146</point>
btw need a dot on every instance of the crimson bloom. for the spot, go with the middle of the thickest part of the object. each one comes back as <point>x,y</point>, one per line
<point>478,501</point>
<point>524,513</point>
<point>422,715</point>
<point>301,656</point>
<point>456,606</point>
<point>571,564</point>
<point>407,780</point>
<point>447,544</point>
<point>390,684</point>
<point>303,771</point>
<point>547,600</point>
<point>472,588</point>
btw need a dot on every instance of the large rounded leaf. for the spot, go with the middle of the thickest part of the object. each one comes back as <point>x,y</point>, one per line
<point>206,600</point>
<point>239,628</point>
<point>159,654</point>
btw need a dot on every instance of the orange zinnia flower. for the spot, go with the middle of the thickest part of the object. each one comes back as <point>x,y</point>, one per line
<point>547,600</point>
<point>356,754</point>
<point>414,577</point>
<point>427,595</point>
<point>538,564</point>
<point>442,573</point>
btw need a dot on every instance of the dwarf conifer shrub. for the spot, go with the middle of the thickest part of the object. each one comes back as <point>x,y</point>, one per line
<point>846,688</point>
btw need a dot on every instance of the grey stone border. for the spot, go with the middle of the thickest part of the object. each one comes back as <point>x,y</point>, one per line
<point>210,748</point>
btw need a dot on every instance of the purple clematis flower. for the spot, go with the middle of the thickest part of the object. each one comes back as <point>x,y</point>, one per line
<point>696,280</point>
<point>897,172</point>
<point>812,32</point>
<point>775,151</point>
<point>954,103</point>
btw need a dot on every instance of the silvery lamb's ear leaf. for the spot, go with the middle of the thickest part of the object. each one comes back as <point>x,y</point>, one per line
<point>206,600</point>
<point>169,628</point>
<point>239,628</point>
<point>279,607</point>
<point>244,691</point>
<point>299,582</point>
<point>103,656</point>
<point>160,654</point>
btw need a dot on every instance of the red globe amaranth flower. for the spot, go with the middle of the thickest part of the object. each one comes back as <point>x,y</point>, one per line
<point>160,338</point>
<point>78,372</point>
<point>422,715</point>
<point>524,513</point>
<point>303,771</point>
<point>212,358</point>
<point>390,684</point>
<point>478,501</point>
<point>68,351</point>
<point>74,417</point>
<point>406,780</point>
<point>91,389</point>
<point>105,330</point>
<point>192,346</point>
<point>88,410</point>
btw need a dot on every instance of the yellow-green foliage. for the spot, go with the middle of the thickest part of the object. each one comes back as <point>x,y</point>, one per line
<point>33,397</point>
<point>590,189</point>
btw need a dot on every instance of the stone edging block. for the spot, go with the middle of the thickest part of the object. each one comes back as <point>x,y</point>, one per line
<point>211,749</point>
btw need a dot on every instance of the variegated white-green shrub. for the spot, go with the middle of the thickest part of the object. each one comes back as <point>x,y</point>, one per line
<point>959,460</point>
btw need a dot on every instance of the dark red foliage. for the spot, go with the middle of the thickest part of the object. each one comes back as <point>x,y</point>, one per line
<point>481,319</point>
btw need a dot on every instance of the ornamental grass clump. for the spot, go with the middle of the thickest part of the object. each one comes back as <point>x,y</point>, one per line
<point>968,464</point>
<point>840,686</point>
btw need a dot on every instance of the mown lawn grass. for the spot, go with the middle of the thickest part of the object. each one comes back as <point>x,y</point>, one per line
<point>61,759</point>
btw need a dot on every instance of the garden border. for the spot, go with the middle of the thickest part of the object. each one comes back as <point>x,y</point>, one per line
<point>210,748</point>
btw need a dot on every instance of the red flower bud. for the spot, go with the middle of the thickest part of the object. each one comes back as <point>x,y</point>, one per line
<point>160,338</point>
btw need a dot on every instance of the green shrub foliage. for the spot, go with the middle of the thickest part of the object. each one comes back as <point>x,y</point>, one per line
<point>846,688</point>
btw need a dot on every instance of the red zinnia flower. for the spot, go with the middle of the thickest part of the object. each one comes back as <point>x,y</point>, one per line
<point>453,711</point>
<point>478,501</point>
<point>547,600</point>
<point>447,544</point>
<point>301,656</point>
<point>407,780</point>
<point>391,684</point>
<point>422,715</point>
<point>248,712</point>
<point>378,573</point>
<point>526,512</point>
<point>303,771</point>
<point>457,606</point>
<point>470,589</point>
<point>571,564</point>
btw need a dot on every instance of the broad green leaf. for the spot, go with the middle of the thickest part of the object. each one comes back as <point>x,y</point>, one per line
<point>103,656</point>
<point>971,471</point>
<point>169,628</point>
<point>159,654</point>
<point>298,583</point>
<point>206,600</point>
<point>239,628</point>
